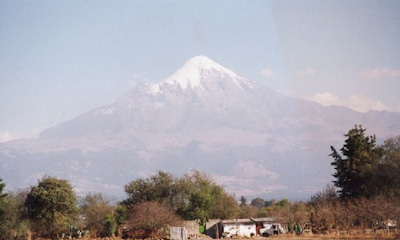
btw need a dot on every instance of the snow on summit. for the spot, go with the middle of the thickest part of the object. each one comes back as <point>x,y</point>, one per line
<point>196,73</point>
<point>192,72</point>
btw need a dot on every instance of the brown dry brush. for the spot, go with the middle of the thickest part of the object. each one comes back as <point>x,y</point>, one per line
<point>356,214</point>
<point>146,219</point>
<point>344,215</point>
<point>297,213</point>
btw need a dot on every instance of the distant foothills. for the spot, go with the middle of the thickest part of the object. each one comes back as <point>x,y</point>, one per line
<point>365,195</point>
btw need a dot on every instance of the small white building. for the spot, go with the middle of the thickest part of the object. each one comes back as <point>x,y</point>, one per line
<point>268,226</point>
<point>238,227</point>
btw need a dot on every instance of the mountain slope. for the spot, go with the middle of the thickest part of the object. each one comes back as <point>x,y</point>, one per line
<point>252,139</point>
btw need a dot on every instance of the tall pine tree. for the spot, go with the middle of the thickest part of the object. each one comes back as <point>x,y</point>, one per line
<point>355,166</point>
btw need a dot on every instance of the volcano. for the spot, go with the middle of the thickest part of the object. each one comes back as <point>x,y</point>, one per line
<point>248,137</point>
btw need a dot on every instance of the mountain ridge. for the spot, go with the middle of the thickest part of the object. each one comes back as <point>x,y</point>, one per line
<point>250,138</point>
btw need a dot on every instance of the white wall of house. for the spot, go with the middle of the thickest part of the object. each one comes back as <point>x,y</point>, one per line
<point>247,230</point>
<point>240,229</point>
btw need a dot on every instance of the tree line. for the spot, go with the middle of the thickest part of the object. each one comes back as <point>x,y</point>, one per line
<point>52,209</point>
<point>365,194</point>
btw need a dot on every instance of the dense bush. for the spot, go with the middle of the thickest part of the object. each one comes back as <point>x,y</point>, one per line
<point>148,218</point>
<point>195,196</point>
<point>51,205</point>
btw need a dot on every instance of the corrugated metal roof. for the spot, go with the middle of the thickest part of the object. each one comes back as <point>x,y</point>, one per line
<point>263,219</point>
<point>243,221</point>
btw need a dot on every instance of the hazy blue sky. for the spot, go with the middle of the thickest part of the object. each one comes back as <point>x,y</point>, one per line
<point>59,59</point>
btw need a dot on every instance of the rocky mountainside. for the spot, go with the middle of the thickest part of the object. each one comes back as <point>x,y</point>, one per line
<point>250,138</point>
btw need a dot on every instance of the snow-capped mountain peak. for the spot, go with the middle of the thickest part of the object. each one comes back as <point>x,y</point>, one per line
<point>244,134</point>
<point>191,74</point>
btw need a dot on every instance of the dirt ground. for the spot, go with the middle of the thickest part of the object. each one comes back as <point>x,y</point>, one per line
<point>320,237</point>
<point>317,237</point>
<point>287,236</point>
<point>334,236</point>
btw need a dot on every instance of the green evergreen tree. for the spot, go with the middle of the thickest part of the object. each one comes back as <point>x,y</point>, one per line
<point>356,165</point>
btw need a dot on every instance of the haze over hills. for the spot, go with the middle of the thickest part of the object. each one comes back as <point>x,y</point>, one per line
<point>250,138</point>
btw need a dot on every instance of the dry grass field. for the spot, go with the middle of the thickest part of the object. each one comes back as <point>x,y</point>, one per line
<point>377,236</point>
<point>324,237</point>
<point>335,236</point>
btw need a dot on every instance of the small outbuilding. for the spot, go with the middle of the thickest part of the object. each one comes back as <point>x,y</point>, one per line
<point>268,226</point>
<point>239,228</point>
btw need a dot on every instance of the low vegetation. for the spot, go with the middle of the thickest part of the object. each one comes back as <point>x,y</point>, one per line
<point>365,195</point>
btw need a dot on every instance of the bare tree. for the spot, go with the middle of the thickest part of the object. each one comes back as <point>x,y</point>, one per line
<point>324,217</point>
<point>323,206</point>
<point>345,215</point>
<point>95,207</point>
<point>149,217</point>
